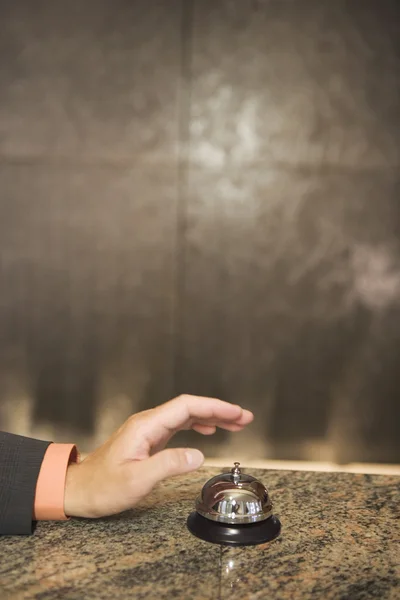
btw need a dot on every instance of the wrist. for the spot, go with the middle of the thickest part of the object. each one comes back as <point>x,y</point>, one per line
<point>74,493</point>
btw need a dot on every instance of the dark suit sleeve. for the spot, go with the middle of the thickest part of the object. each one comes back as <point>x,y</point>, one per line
<point>20,462</point>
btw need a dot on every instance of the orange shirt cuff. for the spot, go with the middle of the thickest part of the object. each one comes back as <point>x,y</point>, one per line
<point>50,487</point>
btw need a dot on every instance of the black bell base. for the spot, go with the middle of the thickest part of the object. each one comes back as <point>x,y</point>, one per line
<point>237,535</point>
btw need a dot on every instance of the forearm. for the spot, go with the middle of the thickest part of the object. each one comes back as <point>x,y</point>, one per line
<point>20,463</point>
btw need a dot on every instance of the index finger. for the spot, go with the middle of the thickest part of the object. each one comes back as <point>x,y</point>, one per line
<point>185,410</point>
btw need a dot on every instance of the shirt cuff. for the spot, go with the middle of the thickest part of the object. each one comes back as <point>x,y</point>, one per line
<point>50,487</point>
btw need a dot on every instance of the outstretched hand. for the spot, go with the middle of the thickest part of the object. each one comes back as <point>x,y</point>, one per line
<point>133,460</point>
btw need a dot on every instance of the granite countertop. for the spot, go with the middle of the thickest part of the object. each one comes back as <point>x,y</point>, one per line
<point>340,539</point>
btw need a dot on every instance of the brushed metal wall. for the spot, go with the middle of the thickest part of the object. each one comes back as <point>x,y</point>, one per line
<point>202,196</point>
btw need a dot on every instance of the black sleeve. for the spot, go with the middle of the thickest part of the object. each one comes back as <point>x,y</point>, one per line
<point>20,462</point>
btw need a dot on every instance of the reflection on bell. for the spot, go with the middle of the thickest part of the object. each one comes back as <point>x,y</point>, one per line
<point>234,509</point>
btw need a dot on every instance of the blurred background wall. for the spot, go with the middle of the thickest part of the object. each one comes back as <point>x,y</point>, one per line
<point>202,196</point>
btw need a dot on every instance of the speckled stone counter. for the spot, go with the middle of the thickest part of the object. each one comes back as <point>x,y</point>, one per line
<point>340,539</point>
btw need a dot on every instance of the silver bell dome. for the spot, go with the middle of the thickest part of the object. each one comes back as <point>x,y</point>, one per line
<point>234,498</point>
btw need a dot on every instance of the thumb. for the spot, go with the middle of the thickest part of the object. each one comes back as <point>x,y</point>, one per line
<point>173,461</point>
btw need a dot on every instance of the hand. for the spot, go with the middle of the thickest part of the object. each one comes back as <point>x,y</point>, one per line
<point>132,461</point>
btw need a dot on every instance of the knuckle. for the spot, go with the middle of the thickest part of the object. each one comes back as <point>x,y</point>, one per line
<point>139,418</point>
<point>132,423</point>
<point>132,419</point>
<point>183,397</point>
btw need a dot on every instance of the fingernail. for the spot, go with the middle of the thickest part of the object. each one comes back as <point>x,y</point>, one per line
<point>194,458</point>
